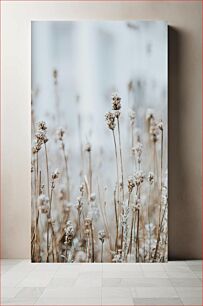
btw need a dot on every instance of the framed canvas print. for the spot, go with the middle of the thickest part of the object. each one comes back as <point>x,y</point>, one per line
<point>99,141</point>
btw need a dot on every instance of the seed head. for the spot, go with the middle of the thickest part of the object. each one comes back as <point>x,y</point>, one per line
<point>102,235</point>
<point>110,120</point>
<point>139,177</point>
<point>151,178</point>
<point>160,125</point>
<point>55,174</point>
<point>116,102</point>
<point>59,134</point>
<point>41,125</point>
<point>149,114</point>
<point>131,184</point>
<point>88,147</point>
<point>43,202</point>
<point>92,197</point>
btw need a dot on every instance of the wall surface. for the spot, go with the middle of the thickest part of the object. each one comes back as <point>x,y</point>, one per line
<point>185,69</point>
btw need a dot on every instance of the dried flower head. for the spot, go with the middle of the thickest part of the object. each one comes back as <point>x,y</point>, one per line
<point>132,116</point>
<point>138,149</point>
<point>110,120</point>
<point>88,222</point>
<point>149,114</point>
<point>160,125</point>
<point>79,204</point>
<point>139,177</point>
<point>93,197</point>
<point>36,147</point>
<point>55,76</point>
<point>118,257</point>
<point>137,204</point>
<point>43,203</point>
<point>153,130</point>
<point>102,235</point>
<point>151,177</point>
<point>41,137</point>
<point>60,133</point>
<point>116,102</point>
<point>55,174</point>
<point>82,188</point>
<point>69,232</point>
<point>131,184</point>
<point>88,147</point>
<point>41,125</point>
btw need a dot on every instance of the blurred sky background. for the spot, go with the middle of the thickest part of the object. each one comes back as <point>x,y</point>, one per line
<point>94,59</point>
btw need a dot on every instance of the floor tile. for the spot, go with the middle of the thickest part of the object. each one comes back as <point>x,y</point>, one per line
<point>192,301</point>
<point>116,292</point>
<point>72,292</point>
<point>154,292</point>
<point>117,301</point>
<point>61,282</point>
<point>111,282</point>
<point>122,274</point>
<point>21,301</point>
<point>155,274</point>
<point>9,292</point>
<point>157,301</point>
<point>189,291</point>
<point>29,292</point>
<point>146,282</point>
<point>185,282</point>
<point>179,274</point>
<point>68,301</point>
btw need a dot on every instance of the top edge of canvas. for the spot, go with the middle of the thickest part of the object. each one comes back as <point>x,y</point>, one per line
<point>103,20</point>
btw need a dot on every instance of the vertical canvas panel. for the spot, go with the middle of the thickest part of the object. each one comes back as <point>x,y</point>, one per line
<point>99,141</point>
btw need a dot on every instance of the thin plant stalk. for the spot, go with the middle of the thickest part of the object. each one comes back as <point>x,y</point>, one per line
<point>148,216</point>
<point>115,147</point>
<point>116,216</point>
<point>92,238</point>
<point>159,222</point>
<point>137,236</point>
<point>90,170</point>
<point>47,169</point>
<point>121,158</point>
<point>66,169</point>
<point>131,234</point>
<point>102,249</point>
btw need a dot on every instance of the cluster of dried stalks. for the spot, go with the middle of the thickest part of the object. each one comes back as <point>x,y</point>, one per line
<point>126,223</point>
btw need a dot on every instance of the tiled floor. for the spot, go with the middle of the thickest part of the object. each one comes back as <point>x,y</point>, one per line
<point>174,283</point>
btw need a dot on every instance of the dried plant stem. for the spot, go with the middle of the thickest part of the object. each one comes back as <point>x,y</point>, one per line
<point>102,249</point>
<point>121,158</point>
<point>159,235</point>
<point>132,131</point>
<point>137,236</point>
<point>66,169</point>
<point>47,169</point>
<point>88,249</point>
<point>104,216</point>
<point>90,171</point>
<point>161,174</point>
<point>115,147</point>
<point>131,234</point>
<point>149,222</point>
<point>159,221</point>
<point>57,102</point>
<point>48,221</point>
<point>116,216</point>
<point>81,146</point>
<point>92,238</point>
